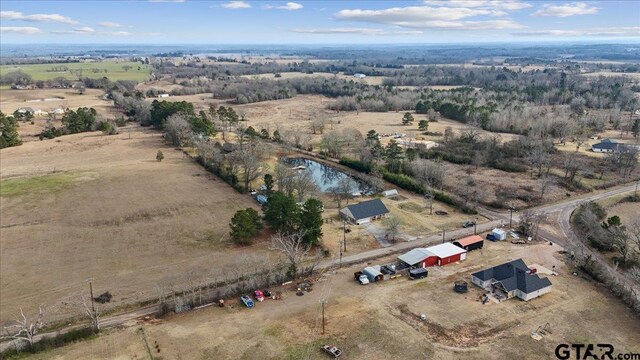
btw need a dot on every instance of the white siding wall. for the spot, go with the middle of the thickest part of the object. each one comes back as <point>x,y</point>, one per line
<point>479,282</point>
<point>532,295</point>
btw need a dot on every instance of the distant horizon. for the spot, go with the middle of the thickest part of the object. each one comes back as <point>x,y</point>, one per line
<point>318,22</point>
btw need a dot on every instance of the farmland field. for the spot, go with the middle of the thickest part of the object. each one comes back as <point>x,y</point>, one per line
<point>50,99</point>
<point>382,321</point>
<point>111,69</point>
<point>94,206</point>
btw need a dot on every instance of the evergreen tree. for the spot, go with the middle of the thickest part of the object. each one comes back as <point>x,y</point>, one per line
<point>393,154</point>
<point>635,130</point>
<point>79,121</point>
<point>281,212</point>
<point>245,225</point>
<point>407,119</point>
<point>268,183</point>
<point>9,132</point>
<point>311,221</point>
<point>423,125</point>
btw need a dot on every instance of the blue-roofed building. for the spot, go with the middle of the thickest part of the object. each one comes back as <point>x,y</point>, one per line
<point>511,279</point>
<point>608,145</point>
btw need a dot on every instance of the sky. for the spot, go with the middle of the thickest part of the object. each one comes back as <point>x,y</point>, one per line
<point>316,22</point>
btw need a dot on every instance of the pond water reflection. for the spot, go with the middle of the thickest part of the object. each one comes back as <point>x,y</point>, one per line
<point>324,176</point>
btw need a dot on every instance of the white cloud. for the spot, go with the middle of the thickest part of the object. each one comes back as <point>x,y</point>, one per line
<point>167,1</point>
<point>361,31</point>
<point>16,15</point>
<point>90,31</point>
<point>110,24</point>
<point>430,17</point>
<point>236,5</point>
<point>565,10</point>
<point>594,32</point>
<point>510,5</point>
<point>288,6</point>
<point>25,30</point>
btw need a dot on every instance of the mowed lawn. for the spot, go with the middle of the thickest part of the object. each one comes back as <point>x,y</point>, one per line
<point>114,70</point>
<point>94,206</point>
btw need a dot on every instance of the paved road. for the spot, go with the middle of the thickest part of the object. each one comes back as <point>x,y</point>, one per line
<point>497,219</point>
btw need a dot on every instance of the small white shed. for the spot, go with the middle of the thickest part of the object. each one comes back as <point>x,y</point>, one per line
<point>499,234</point>
<point>390,193</point>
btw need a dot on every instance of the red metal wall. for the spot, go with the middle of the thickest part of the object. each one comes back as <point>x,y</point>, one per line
<point>431,261</point>
<point>448,260</point>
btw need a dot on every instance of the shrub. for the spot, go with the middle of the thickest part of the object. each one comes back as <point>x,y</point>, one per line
<point>356,165</point>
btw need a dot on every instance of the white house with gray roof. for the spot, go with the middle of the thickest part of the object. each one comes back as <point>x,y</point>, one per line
<point>364,212</point>
<point>512,279</point>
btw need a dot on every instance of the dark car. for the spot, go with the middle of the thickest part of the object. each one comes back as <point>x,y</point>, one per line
<point>468,224</point>
<point>491,237</point>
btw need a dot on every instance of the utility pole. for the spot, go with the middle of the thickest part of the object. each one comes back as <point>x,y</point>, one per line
<point>510,215</point>
<point>635,192</point>
<point>323,302</point>
<point>344,234</point>
<point>443,231</point>
<point>475,221</point>
<point>340,247</point>
<point>93,308</point>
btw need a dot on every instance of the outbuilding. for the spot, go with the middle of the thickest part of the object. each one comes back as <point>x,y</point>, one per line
<point>390,193</point>
<point>440,255</point>
<point>470,242</point>
<point>447,253</point>
<point>364,212</point>
<point>499,234</point>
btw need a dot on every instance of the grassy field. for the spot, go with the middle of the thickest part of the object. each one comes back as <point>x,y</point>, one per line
<point>36,185</point>
<point>114,70</point>
<point>90,205</point>
<point>381,321</point>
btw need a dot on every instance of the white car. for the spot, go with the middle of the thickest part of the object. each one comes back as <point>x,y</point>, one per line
<point>363,280</point>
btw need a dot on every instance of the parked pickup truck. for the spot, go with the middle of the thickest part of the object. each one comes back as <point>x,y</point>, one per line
<point>332,350</point>
<point>360,277</point>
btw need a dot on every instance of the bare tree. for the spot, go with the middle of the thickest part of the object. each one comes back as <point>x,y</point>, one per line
<point>177,130</point>
<point>621,242</point>
<point>547,181</point>
<point>251,163</point>
<point>304,184</point>
<point>634,231</point>
<point>284,178</point>
<point>26,329</point>
<point>293,247</point>
<point>332,143</point>
<point>90,310</point>
<point>392,224</point>
<point>530,223</point>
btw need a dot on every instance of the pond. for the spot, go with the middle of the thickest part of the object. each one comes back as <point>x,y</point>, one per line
<point>324,176</point>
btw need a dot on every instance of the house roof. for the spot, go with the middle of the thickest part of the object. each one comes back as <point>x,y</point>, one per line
<point>368,209</point>
<point>469,240</point>
<point>445,250</point>
<point>415,256</point>
<point>607,144</point>
<point>513,275</point>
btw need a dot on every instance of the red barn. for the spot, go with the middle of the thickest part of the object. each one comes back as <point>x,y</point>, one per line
<point>441,255</point>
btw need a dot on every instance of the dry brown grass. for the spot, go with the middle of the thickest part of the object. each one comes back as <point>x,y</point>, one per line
<point>123,219</point>
<point>66,98</point>
<point>381,321</point>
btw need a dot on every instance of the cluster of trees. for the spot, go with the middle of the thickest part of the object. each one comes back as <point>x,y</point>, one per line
<point>82,120</point>
<point>297,226</point>
<point>608,233</point>
<point>9,131</point>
